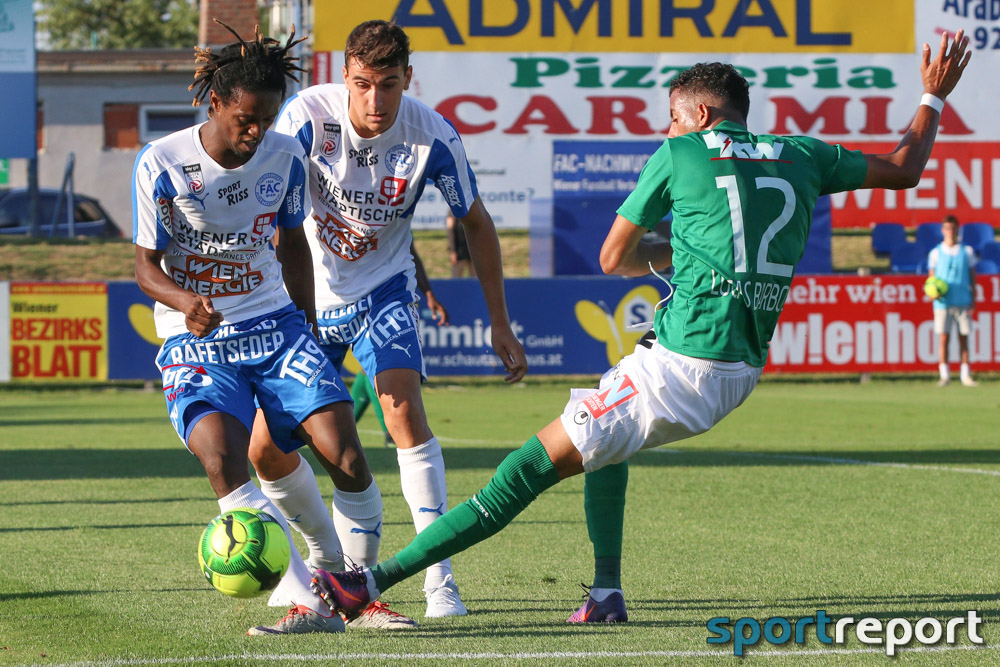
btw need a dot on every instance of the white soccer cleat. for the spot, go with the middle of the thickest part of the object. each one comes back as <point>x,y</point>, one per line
<point>444,600</point>
<point>969,382</point>
<point>300,620</point>
<point>378,616</point>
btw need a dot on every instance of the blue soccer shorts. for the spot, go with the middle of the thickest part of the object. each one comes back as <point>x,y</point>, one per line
<point>274,358</point>
<point>382,329</point>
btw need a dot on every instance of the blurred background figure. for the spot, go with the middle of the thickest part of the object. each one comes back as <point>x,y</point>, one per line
<point>458,249</point>
<point>953,262</point>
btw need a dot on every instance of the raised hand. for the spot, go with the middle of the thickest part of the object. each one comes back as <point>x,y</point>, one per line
<point>942,74</point>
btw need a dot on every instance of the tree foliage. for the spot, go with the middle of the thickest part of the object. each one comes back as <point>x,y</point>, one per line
<point>118,24</point>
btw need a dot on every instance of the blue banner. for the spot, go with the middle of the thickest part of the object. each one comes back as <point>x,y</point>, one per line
<point>590,180</point>
<point>567,326</point>
<point>132,341</point>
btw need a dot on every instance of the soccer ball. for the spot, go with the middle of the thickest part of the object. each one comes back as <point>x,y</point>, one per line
<point>935,288</point>
<point>243,552</point>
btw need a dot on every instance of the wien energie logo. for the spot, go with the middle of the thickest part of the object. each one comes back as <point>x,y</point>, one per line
<point>620,329</point>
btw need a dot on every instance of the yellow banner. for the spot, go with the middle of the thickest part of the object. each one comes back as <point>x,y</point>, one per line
<point>647,26</point>
<point>59,331</point>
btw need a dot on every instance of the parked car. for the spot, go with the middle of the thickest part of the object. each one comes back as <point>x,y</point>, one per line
<point>90,218</point>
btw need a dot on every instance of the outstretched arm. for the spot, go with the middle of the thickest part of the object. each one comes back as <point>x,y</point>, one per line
<point>903,167</point>
<point>481,235</point>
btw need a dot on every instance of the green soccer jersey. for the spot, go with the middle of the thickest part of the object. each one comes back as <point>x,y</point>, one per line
<point>742,207</point>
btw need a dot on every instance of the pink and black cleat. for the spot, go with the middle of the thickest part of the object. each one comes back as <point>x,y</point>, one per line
<point>346,592</point>
<point>609,610</point>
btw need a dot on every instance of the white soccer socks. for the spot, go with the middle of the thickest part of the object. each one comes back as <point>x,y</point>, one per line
<point>299,500</point>
<point>421,475</point>
<point>296,581</point>
<point>358,518</point>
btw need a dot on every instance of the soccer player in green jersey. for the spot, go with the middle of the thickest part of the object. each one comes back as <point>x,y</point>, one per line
<point>742,207</point>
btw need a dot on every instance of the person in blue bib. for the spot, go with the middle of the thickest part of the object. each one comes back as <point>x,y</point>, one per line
<point>953,263</point>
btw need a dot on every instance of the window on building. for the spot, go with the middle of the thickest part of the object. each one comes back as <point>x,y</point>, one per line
<point>159,120</point>
<point>129,126</point>
<point>121,126</point>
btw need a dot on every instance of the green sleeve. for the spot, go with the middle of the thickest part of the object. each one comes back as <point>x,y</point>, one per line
<point>650,202</point>
<point>840,169</point>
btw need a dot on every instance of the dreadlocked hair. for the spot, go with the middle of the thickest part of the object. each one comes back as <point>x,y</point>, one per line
<point>262,64</point>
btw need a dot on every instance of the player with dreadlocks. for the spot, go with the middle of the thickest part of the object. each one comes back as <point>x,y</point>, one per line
<point>207,203</point>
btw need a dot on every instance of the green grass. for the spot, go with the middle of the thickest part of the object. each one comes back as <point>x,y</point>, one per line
<point>766,515</point>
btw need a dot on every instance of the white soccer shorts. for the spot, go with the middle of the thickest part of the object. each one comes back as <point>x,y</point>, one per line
<point>945,319</point>
<point>651,398</point>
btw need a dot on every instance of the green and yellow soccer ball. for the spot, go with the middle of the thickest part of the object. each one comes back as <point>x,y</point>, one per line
<point>243,552</point>
<point>935,288</point>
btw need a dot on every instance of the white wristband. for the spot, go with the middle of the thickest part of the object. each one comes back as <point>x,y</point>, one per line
<point>932,101</point>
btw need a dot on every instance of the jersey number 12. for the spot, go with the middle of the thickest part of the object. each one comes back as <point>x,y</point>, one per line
<point>728,183</point>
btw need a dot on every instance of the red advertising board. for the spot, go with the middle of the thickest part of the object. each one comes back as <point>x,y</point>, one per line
<point>875,324</point>
<point>962,178</point>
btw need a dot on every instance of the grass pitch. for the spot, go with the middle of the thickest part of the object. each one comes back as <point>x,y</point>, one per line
<point>864,500</point>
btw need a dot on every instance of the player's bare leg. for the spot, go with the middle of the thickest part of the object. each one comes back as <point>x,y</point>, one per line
<point>289,482</point>
<point>964,373</point>
<point>943,360</point>
<point>421,474</point>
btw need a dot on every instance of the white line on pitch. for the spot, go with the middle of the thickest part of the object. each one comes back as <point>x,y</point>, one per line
<point>837,461</point>
<point>541,655</point>
<point>788,457</point>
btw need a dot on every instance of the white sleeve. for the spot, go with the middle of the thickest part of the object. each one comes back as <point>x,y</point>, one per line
<point>293,121</point>
<point>151,210</point>
<point>932,259</point>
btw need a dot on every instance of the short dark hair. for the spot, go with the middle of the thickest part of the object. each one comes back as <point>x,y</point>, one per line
<point>378,45</point>
<point>262,64</point>
<point>721,80</point>
<point>949,218</point>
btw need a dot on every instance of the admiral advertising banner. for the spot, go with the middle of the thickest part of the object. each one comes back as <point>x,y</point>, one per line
<point>515,77</point>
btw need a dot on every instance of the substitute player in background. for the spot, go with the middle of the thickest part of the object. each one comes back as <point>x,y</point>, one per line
<point>742,207</point>
<point>207,202</point>
<point>371,151</point>
<point>953,262</point>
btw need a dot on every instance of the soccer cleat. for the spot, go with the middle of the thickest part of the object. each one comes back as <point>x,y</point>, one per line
<point>378,616</point>
<point>300,620</point>
<point>943,382</point>
<point>346,592</point>
<point>444,600</point>
<point>969,382</point>
<point>609,610</point>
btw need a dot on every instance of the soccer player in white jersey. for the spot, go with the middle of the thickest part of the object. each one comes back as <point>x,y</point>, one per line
<point>371,151</point>
<point>207,203</point>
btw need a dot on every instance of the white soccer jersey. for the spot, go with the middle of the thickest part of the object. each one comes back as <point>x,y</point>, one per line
<point>364,190</point>
<point>215,225</point>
